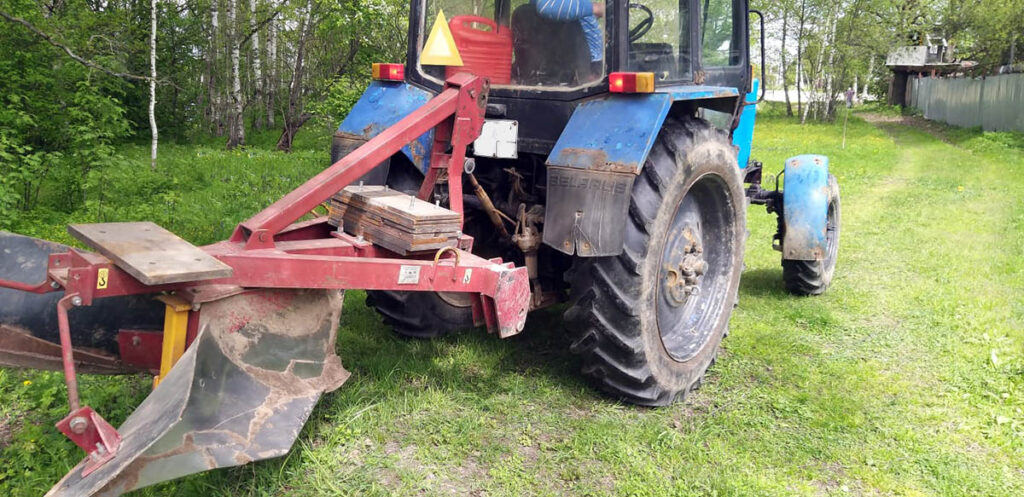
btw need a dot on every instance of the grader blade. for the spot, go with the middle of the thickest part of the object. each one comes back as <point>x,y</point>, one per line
<point>241,393</point>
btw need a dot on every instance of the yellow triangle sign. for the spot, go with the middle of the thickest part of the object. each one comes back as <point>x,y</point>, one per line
<point>440,49</point>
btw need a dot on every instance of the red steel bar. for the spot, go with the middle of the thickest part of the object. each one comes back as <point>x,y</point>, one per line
<point>65,348</point>
<point>462,100</point>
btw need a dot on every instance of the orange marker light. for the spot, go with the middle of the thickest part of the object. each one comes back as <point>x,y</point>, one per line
<point>631,82</point>
<point>388,72</point>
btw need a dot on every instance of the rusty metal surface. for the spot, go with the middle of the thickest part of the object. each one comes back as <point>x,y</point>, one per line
<point>241,392</point>
<point>19,349</point>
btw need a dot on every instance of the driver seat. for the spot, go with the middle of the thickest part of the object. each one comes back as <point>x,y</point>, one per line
<point>548,52</point>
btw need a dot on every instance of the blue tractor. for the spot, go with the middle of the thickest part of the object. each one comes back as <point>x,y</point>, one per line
<point>609,170</point>
<point>614,164</point>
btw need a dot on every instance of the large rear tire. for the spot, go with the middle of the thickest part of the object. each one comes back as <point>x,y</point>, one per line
<point>422,314</point>
<point>814,277</point>
<point>649,321</point>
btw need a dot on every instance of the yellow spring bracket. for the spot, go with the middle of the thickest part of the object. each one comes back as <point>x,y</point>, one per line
<point>175,328</point>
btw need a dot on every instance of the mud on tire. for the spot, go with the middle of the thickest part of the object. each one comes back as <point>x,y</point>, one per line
<point>640,336</point>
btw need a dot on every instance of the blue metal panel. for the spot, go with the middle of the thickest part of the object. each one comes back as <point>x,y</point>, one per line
<point>690,92</point>
<point>743,136</point>
<point>614,132</point>
<point>384,104</point>
<point>805,207</point>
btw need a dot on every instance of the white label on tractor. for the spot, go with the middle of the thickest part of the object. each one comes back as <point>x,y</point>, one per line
<point>497,139</point>
<point>409,275</point>
<point>468,276</point>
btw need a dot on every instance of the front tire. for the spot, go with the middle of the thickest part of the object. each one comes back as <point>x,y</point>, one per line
<point>649,321</point>
<point>813,277</point>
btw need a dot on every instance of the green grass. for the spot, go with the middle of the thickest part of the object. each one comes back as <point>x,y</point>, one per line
<point>907,378</point>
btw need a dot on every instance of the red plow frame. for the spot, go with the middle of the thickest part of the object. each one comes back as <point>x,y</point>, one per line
<point>271,250</point>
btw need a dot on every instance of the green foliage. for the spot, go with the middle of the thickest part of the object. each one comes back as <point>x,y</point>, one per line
<point>59,122</point>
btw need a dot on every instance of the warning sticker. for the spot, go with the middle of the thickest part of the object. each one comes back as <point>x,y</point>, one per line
<point>440,49</point>
<point>468,276</point>
<point>408,275</point>
<point>102,275</point>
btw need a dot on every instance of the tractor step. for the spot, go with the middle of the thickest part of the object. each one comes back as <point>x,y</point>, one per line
<point>394,220</point>
<point>150,253</point>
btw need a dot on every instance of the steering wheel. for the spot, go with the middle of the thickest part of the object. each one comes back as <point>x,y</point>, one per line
<point>645,24</point>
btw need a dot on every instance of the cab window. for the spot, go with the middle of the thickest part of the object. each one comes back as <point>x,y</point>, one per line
<point>719,34</point>
<point>557,44</point>
<point>659,38</point>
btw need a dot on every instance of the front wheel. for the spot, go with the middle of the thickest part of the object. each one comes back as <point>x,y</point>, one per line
<point>814,277</point>
<point>649,321</point>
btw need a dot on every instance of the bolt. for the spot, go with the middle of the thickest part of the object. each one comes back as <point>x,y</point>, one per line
<point>136,341</point>
<point>360,238</point>
<point>54,285</point>
<point>76,301</point>
<point>78,425</point>
<point>360,185</point>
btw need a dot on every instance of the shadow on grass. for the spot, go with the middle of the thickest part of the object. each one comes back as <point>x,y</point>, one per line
<point>763,283</point>
<point>467,361</point>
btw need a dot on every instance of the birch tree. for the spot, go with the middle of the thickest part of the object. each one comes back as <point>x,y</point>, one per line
<point>236,123</point>
<point>152,84</point>
<point>270,88</point>
<point>256,63</point>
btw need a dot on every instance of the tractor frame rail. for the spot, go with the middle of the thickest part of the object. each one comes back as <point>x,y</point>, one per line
<point>272,250</point>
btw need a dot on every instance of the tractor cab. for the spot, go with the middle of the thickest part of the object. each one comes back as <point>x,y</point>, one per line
<point>543,57</point>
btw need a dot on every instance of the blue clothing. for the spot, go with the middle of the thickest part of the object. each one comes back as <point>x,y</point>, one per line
<point>568,10</point>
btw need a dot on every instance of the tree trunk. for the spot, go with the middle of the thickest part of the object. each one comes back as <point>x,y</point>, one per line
<point>211,68</point>
<point>236,134</point>
<point>800,57</point>
<point>272,74</point>
<point>256,63</point>
<point>830,76</point>
<point>785,84</point>
<point>294,117</point>
<point>152,84</point>
<point>871,70</point>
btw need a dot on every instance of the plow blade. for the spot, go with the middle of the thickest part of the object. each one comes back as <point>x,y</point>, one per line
<point>240,393</point>
<point>28,321</point>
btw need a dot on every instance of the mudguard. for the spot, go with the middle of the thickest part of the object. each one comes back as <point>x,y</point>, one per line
<point>383,104</point>
<point>591,169</point>
<point>805,207</point>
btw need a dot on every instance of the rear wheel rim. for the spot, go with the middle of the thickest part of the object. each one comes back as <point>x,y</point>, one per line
<point>695,269</point>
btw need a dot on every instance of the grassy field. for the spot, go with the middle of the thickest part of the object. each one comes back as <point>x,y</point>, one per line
<point>907,378</point>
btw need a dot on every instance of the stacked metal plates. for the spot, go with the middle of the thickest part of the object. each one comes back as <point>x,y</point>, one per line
<point>394,220</point>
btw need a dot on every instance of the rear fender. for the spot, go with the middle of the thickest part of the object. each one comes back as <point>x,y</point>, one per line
<point>382,105</point>
<point>591,169</point>
<point>805,207</point>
